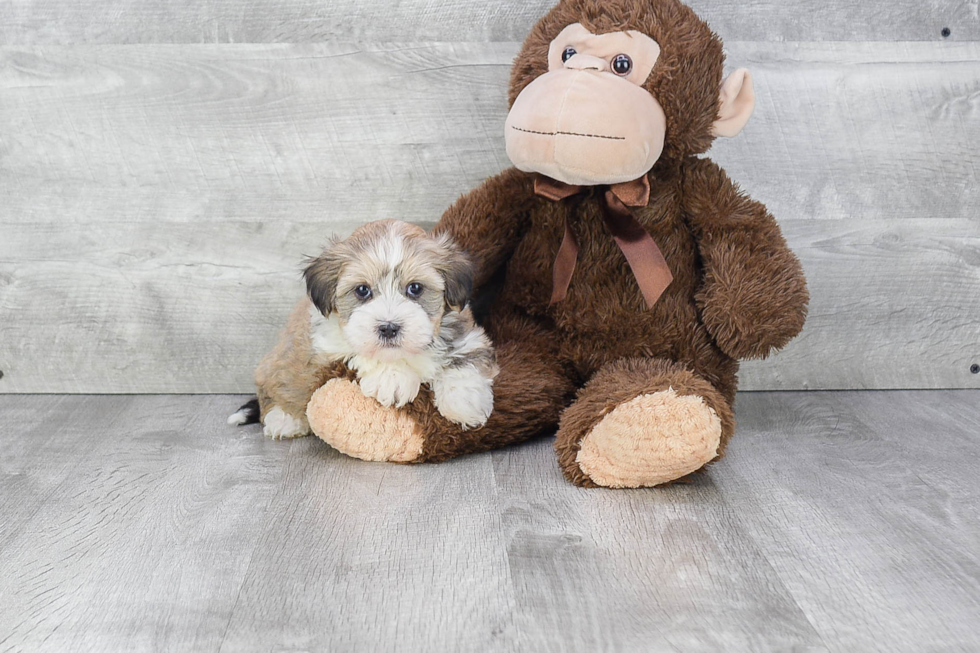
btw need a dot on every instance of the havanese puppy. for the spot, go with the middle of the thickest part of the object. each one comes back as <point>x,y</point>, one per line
<point>391,302</point>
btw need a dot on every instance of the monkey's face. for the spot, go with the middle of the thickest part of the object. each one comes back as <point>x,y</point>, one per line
<point>589,120</point>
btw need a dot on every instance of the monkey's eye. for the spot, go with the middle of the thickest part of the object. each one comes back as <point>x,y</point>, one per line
<point>414,290</point>
<point>622,65</point>
<point>362,292</point>
<point>568,54</point>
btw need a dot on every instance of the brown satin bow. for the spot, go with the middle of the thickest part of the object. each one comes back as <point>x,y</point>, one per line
<point>641,252</point>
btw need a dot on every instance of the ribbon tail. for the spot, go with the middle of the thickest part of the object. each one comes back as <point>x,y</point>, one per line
<point>564,266</point>
<point>649,267</point>
<point>642,254</point>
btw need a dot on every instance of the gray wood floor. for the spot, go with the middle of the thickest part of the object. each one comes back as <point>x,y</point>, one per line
<point>842,521</point>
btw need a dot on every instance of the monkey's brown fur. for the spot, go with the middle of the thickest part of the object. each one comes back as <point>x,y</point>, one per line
<point>738,291</point>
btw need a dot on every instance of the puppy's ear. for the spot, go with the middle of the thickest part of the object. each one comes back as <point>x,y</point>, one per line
<point>456,269</point>
<point>322,275</point>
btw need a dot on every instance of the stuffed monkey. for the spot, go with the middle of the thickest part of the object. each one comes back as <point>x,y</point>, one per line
<point>631,274</point>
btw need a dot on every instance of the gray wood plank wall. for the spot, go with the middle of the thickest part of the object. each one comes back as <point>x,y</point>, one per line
<point>32,22</point>
<point>165,166</point>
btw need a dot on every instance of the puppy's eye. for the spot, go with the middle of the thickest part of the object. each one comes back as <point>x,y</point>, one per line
<point>362,292</point>
<point>568,54</point>
<point>622,65</point>
<point>414,290</point>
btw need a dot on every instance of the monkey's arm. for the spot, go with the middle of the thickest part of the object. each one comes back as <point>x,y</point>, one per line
<point>754,296</point>
<point>489,221</point>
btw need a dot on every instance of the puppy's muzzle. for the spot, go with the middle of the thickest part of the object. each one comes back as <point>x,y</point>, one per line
<point>388,331</point>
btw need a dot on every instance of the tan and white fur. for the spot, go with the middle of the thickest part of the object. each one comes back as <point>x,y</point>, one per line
<point>390,302</point>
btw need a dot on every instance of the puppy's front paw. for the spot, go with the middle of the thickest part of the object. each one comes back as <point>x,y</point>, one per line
<point>392,387</point>
<point>464,396</point>
<point>280,425</point>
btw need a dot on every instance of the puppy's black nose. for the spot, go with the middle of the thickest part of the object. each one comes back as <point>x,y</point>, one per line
<point>389,330</point>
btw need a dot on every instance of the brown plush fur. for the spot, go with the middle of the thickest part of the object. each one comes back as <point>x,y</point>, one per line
<point>738,291</point>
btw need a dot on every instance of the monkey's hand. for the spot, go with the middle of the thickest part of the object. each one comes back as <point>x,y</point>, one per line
<point>753,306</point>
<point>753,298</point>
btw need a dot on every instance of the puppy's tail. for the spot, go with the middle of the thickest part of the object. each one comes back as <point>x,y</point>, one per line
<point>247,414</point>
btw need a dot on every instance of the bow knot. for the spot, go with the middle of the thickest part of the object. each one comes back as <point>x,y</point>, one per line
<point>642,254</point>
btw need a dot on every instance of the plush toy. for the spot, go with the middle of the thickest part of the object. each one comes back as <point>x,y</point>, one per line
<point>631,273</point>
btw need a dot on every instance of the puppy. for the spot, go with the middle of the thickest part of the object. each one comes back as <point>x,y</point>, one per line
<point>390,302</point>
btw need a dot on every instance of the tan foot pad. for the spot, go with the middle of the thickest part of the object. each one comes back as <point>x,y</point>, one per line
<point>650,440</point>
<point>340,415</point>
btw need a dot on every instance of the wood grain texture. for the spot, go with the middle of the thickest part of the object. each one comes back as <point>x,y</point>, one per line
<point>838,521</point>
<point>46,422</point>
<point>130,523</point>
<point>869,516</point>
<point>193,306</point>
<point>203,132</point>
<point>362,556</point>
<point>39,22</point>
<point>859,131</point>
<point>892,305</point>
<point>158,199</point>
<point>595,570</point>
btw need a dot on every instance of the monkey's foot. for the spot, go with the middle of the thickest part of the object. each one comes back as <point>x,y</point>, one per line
<point>614,436</point>
<point>650,440</point>
<point>340,415</point>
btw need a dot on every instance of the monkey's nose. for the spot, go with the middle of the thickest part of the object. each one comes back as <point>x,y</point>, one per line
<point>587,62</point>
<point>389,330</point>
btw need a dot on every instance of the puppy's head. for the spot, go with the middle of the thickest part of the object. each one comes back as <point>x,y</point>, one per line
<point>390,284</point>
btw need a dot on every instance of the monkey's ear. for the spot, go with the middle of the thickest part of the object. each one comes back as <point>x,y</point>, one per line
<point>456,269</point>
<point>322,276</point>
<point>736,102</point>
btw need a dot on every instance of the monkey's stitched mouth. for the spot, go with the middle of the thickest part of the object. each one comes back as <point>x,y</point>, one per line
<point>560,133</point>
